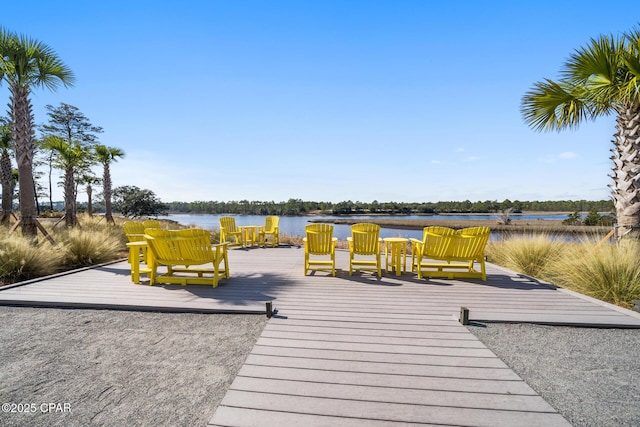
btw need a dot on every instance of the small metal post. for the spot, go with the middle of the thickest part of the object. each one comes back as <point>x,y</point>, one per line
<point>464,315</point>
<point>269,309</point>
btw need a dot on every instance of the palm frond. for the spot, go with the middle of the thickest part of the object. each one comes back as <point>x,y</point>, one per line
<point>631,59</point>
<point>25,61</point>
<point>554,106</point>
<point>632,38</point>
<point>598,62</point>
<point>106,155</point>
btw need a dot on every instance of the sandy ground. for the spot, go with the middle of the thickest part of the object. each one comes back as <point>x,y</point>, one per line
<point>117,368</point>
<point>591,376</point>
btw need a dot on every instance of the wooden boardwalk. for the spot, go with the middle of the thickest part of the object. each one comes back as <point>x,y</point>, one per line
<point>354,350</point>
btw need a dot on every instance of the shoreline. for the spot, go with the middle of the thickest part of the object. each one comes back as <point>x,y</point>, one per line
<point>517,226</point>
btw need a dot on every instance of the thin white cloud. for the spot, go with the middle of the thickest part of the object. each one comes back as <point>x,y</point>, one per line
<point>552,158</point>
<point>567,155</point>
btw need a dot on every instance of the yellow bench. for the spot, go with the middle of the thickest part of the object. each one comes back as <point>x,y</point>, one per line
<point>179,251</point>
<point>459,250</point>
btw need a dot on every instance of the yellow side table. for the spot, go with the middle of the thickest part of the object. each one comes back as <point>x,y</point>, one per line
<point>134,258</point>
<point>249,235</point>
<point>395,248</point>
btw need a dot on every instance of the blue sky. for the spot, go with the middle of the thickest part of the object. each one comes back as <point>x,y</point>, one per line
<point>327,100</point>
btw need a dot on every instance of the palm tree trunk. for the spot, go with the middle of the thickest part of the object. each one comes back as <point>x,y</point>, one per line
<point>89,200</point>
<point>69,199</point>
<point>106,190</point>
<point>50,160</point>
<point>22,129</point>
<point>6,179</point>
<point>626,170</point>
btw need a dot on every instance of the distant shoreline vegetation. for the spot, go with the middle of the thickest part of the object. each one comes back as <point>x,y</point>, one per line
<point>300,207</point>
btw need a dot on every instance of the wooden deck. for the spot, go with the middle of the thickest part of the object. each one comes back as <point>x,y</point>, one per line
<point>353,350</point>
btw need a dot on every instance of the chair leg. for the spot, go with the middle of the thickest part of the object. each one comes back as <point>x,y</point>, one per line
<point>225,259</point>
<point>333,264</point>
<point>216,272</point>
<point>351,264</point>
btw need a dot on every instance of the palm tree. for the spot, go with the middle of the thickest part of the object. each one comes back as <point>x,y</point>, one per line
<point>88,179</point>
<point>71,158</point>
<point>26,63</point>
<point>106,155</point>
<point>6,175</point>
<point>600,79</point>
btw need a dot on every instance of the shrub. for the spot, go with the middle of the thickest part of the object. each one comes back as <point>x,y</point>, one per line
<point>529,255</point>
<point>573,219</point>
<point>610,272</point>
<point>20,259</point>
<point>88,248</point>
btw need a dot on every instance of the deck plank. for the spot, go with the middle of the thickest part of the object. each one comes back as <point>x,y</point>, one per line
<point>385,411</point>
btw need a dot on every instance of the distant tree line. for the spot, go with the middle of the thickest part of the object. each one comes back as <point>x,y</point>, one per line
<point>300,207</point>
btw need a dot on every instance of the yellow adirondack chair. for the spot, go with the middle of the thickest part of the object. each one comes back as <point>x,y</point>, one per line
<point>228,230</point>
<point>135,233</point>
<point>270,228</point>
<point>180,251</point>
<point>319,241</point>
<point>364,241</point>
<point>444,252</point>
<point>151,223</point>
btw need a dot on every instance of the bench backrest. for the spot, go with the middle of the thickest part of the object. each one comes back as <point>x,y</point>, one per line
<point>134,231</point>
<point>190,246</point>
<point>437,241</point>
<point>471,242</point>
<point>151,223</point>
<point>448,244</point>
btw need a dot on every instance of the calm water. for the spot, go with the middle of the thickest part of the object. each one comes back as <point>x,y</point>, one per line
<point>294,225</point>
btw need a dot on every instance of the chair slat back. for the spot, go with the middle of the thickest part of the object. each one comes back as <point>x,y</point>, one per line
<point>319,238</point>
<point>188,246</point>
<point>134,231</point>
<point>229,224</point>
<point>151,223</point>
<point>472,242</point>
<point>437,241</point>
<point>271,223</point>
<point>365,238</point>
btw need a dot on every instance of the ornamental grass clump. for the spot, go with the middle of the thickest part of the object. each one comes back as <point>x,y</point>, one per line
<point>21,260</point>
<point>609,272</point>
<point>88,248</point>
<point>529,255</point>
